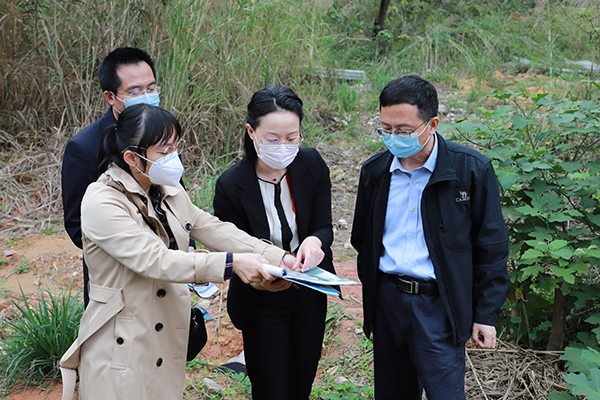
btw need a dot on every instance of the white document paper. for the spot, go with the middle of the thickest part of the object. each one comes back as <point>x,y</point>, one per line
<point>315,278</point>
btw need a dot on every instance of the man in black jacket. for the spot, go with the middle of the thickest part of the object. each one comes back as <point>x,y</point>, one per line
<point>127,76</point>
<point>432,249</point>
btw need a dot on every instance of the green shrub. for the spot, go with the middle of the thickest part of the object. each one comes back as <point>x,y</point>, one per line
<point>38,334</point>
<point>544,151</point>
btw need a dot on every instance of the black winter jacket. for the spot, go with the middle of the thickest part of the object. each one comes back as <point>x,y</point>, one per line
<point>464,231</point>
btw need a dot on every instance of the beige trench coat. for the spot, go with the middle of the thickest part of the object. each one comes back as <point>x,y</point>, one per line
<point>132,341</point>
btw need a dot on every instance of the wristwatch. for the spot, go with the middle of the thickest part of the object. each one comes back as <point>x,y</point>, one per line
<point>228,265</point>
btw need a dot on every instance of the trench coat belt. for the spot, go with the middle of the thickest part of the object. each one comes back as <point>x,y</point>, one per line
<point>113,304</point>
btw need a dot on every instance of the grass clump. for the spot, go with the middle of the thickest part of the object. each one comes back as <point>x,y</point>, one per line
<point>37,334</point>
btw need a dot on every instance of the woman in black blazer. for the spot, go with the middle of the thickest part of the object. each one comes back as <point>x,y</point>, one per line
<point>282,193</point>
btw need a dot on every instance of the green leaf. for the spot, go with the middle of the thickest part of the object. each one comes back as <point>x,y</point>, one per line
<point>545,101</point>
<point>565,274</point>
<point>597,333</point>
<point>507,178</point>
<point>518,122</point>
<point>583,296</point>
<point>594,219</point>
<point>530,166</point>
<point>528,210</point>
<point>560,396</point>
<point>563,253</point>
<point>574,361</point>
<point>571,166</point>
<point>580,267</point>
<point>560,218</point>
<point>582,385</point>
<point>594,319</point>
<point>532,254</point>
<point>532,270</point>
<point>562,119</point>
<point>557,244</point>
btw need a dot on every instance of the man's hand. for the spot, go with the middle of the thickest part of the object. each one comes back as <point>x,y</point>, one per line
<point>309,254</point>
<point>484,335</point>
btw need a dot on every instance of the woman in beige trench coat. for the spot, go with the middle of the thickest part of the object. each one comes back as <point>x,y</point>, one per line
<point>133,335</point>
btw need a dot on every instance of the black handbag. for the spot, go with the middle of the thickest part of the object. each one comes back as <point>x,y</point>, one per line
<point>198,336</point>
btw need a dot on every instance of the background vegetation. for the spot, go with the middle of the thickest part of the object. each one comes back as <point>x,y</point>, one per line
<point>212,54</point>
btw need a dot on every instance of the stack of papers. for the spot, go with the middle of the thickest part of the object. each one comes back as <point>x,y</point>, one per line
<point>315,278</point>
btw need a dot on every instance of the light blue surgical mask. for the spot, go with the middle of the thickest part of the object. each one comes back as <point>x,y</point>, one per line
<point>403,146</point>
<point>146,98</point>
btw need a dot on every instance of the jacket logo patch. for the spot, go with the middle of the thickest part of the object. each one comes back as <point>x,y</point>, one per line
<point>464,196</point>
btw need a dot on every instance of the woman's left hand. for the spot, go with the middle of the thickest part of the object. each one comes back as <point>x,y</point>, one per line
<point>309,254</point>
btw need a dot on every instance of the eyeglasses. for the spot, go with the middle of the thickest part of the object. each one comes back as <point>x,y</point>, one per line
<point>170,151</point>
<point>401,133</point>
<point>293,141</point>
<point>150,90</point>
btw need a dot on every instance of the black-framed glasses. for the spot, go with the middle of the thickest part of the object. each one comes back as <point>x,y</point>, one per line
<point>402,133</point>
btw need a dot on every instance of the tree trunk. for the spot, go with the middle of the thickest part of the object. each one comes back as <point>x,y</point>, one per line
<point>380,20</point>
<point>559,311</point>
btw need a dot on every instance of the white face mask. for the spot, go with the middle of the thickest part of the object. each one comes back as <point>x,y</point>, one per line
<point>277,156</point>
<point>166,170</point>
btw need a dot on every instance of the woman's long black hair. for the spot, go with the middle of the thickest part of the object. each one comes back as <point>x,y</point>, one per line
<point>137,128</point>
<point>265,101</point>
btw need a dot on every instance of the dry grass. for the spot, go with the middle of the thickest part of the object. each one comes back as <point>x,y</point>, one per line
<point>511,372</point>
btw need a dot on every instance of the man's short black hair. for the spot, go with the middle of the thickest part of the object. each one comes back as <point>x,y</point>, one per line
<point>411,89</point>
<point>109,80</point>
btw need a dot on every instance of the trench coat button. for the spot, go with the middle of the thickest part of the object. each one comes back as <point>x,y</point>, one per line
<point>188,227</point>
<point>158,327</point>
<point>161,293</point>
<point>120,340</point>
<point>159,362</point>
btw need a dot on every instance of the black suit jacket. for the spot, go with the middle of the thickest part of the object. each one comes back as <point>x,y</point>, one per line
<point>78,171</point>
<point>238,200</point>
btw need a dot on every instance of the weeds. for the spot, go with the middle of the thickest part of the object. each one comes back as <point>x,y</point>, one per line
<point>37,335</point>
<point>23,267</point>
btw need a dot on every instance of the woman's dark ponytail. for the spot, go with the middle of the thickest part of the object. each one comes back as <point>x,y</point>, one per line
<point>108,147</point>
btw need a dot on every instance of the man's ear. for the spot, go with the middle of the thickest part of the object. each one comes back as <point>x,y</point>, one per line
<point>109,97</point>
<point>435,121</point>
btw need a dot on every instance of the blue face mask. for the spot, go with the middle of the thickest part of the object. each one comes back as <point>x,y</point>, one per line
<point>146,98</point>
<point>404,146</point>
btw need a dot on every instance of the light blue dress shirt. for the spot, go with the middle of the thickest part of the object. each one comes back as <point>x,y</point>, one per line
<point>404,248</point>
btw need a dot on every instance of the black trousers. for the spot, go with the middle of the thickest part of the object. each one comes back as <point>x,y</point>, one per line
<point>414,348</point>
<point>282,343</point>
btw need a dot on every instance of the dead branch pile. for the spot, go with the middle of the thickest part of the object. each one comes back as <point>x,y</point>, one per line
<point>30,198</point>
<point>510,372</point>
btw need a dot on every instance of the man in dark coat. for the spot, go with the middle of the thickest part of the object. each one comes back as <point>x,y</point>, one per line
<point>127,76</point>
<point>432,249</point>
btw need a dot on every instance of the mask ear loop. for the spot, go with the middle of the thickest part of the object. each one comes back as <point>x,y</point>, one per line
<point>136,167</point>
